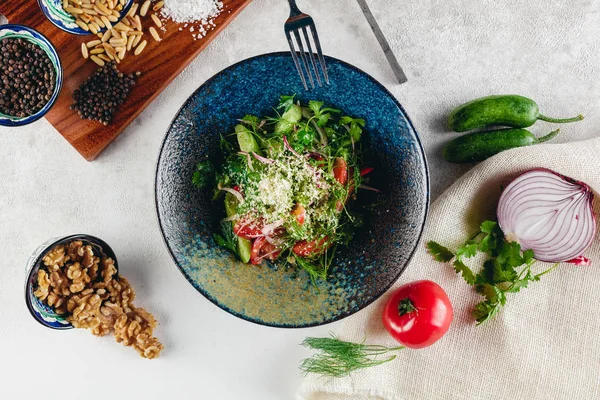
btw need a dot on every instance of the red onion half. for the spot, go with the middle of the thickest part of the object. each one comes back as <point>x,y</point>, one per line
<point>550,214</point>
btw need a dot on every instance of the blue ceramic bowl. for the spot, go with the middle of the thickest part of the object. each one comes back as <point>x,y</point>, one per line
<point>268,294</point>
<point>23,32</point>
<point>53,10</point>
<point>41,312</point>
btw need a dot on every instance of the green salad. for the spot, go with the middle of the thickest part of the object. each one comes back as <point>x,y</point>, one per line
<point>287,182</point>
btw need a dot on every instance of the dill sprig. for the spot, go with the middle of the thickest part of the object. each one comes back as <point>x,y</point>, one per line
<point>338,358</point>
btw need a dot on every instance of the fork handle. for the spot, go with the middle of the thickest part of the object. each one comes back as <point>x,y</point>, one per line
<point>294,10</point>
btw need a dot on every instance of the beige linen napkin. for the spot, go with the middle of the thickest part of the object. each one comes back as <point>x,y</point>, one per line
<point>545,344</point>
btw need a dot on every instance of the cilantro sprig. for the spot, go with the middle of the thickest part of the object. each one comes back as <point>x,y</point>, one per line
<point>506,269</point>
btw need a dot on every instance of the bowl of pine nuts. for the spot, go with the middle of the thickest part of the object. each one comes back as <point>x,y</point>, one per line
<point>85,17</point>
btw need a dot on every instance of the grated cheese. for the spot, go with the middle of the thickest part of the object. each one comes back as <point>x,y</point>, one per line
<point>288,180</point>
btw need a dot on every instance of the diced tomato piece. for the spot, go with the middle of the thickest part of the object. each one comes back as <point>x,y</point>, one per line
<point>248,229</point>
<point>269,251</point>
<point>257,245</point>
<point>300,212</point>
<point>340,170</point>
<point>366,171</point>
<point>311,248</point>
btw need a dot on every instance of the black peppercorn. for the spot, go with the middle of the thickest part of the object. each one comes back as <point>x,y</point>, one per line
<point>17,76</point>
<point>99,97</point>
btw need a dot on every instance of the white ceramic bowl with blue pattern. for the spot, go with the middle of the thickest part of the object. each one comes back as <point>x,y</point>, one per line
<point>41,312</point>
<point>54,11</point>
<point>11,31</point>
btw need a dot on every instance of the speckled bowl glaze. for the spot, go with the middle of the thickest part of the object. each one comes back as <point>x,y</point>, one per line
<point>54,11</point>
<point>41,312</point>
<point>11,31</point>
<point>268,294</point>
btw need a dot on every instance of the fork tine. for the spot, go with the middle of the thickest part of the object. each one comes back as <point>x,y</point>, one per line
<point>303,55</point>
<point>313,29</point>
<point>295,58</point>
<point>312,56</point>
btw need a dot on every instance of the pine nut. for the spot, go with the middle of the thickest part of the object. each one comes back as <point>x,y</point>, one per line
<point>154,34</point>
<point>140,48</point>
<point>130,42</point>
<point>93,43</point>
<point>136,40</point>
<point>106,36</point>
<point>82,25</point>
<point>97,51</point>
<point>144,8</point>
<point>156,20</point>
<point>73,10</point>
<point>84,50</point>
<point>97,61</point>
<point>133,10</point>
<point>106,22</point>
<point>158,5</point>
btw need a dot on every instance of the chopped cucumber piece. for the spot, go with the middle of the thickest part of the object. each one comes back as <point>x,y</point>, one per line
<point>244,245</point>
<point>288,119</point>
<point>231,204</point>
<point>244,249</point>
<point>246,140</point>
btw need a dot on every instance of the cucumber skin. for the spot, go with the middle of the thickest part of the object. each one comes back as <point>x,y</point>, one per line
<point>507,110</point>
<point>244,245</point>
<point>288,119</point>
<point>479,146</point>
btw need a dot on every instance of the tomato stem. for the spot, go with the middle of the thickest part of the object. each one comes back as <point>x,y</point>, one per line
<point>405,306</point>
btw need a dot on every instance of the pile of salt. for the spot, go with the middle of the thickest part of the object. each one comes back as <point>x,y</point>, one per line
<point>198,14</point>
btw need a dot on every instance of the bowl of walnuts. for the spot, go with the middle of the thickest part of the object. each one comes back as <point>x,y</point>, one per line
<point>73,282</point>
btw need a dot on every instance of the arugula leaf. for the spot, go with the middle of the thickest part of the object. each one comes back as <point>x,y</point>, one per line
<point>204,174</point>
<point>439,252</point>
<point>466,272</point>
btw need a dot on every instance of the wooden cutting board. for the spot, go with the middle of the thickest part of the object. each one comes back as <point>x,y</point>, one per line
<point>159,63</point>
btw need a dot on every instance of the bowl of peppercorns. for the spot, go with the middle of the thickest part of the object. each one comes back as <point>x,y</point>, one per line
<point>30,75</point>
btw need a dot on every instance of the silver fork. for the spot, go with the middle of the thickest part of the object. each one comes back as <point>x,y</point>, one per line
<point>299,21</point>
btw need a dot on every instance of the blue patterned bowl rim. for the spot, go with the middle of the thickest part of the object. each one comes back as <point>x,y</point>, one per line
<point>53,320</point>
<point>341,315</point>
<point>24,32</point>
<point>55,13</point>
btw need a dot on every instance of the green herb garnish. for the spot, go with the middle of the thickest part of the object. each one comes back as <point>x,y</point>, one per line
<point>506,269</point>
<point>337,358</point>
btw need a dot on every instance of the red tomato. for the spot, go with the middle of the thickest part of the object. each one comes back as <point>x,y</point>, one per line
<point>248,229</point>
<point>340,170</point>
<point>300,212</point>
<point>257,245</point>
<point>269,252</point>
<point>418,314</point>
<point>312,248</point>
<point>365,171</point>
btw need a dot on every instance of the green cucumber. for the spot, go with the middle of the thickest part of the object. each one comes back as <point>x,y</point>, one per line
<point>246,140</point>
<point>481,145</point>
<point>288,119</point>
<point>244,245</point>
<point>505,110</point>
